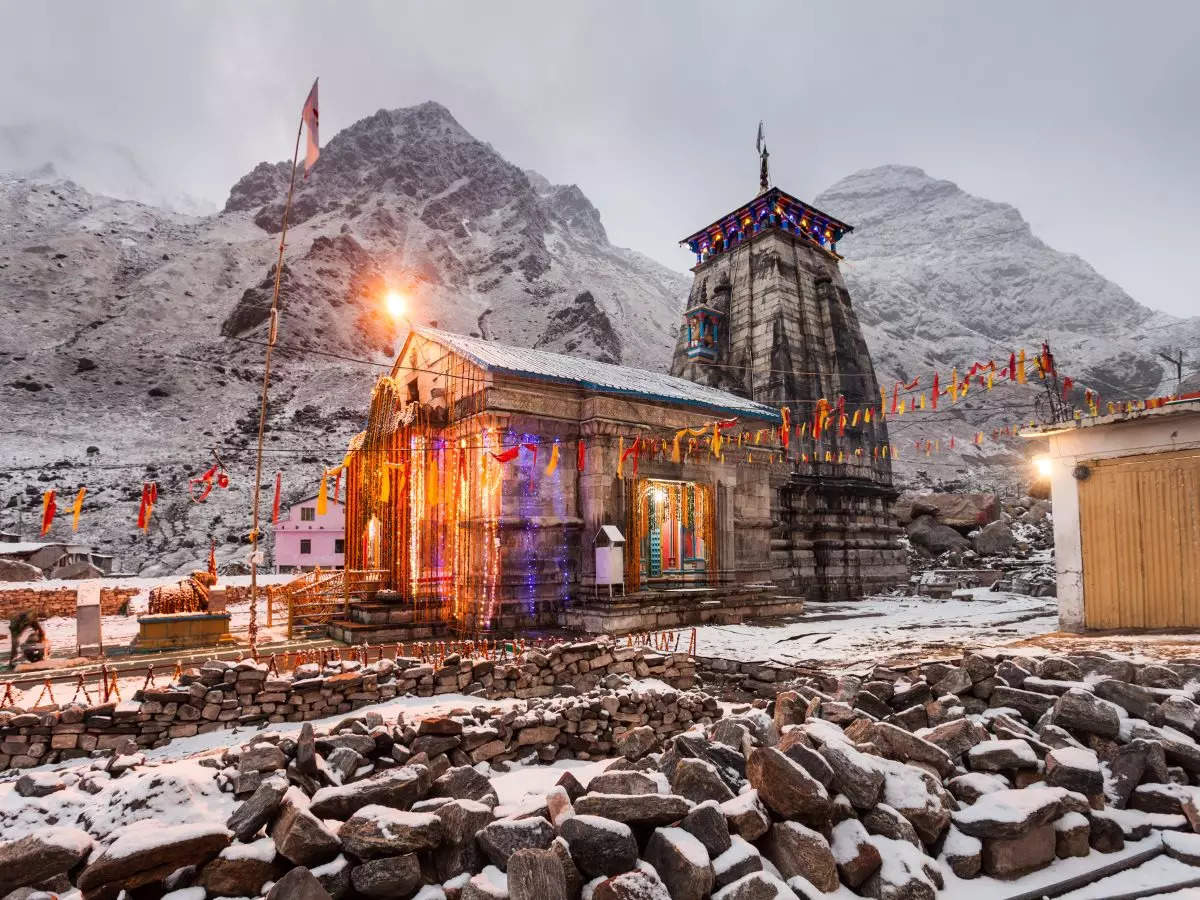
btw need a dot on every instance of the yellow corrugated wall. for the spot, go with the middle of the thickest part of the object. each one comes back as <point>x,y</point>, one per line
<point>1139,519</point>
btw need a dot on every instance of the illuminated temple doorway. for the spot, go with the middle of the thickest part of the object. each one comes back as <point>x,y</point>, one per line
<point>674,532</point>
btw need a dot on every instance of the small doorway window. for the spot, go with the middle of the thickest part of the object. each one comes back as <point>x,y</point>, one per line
<point>339,545</point>
<point>305,546</point>
<point>307,514</point>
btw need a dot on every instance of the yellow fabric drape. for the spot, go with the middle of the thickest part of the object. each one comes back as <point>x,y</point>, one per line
<point>77,509</point>
<point>1021,367</point>
<point>385,486</point>
<point>553,463</point>
<point>621,458</point>
<point>716,440</point>
<point>322,503</point>
<point>854,419</point>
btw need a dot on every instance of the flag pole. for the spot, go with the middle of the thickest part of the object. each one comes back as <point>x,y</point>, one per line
<point>262,410</point>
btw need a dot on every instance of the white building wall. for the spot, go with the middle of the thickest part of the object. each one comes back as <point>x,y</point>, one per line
<point>1161,430</point>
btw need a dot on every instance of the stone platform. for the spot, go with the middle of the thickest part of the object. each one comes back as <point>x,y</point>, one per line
<point>675,607</point>
<point>182,631</point>
<point>384,619</point>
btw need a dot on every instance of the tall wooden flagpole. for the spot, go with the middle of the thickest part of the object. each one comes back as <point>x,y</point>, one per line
<point>262,410</point>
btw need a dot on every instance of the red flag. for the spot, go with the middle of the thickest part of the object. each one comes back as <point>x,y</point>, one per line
<point>934,393</point>
<point>508,455</point>
<point>580,455</point>
<point>49,509</point>
<point>312,148</point>
<point>275,504</point>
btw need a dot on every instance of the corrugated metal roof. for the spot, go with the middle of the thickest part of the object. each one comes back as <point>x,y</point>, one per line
<point>604,378</point>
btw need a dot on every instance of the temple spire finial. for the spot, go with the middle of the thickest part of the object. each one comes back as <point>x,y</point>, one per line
<point>760,144</point>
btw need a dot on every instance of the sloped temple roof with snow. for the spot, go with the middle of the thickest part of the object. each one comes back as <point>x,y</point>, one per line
<point>604,378</point>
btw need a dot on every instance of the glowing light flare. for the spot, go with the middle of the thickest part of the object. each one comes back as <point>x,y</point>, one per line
<point>1042,465</point>
<point>396,304</point>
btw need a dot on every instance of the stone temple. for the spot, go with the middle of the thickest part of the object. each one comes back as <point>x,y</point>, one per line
<point>769,318</point>
<point>500,488</point>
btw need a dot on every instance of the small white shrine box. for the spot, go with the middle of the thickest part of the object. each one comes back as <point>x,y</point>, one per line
<point>609,545</point>
<point>88,639</point>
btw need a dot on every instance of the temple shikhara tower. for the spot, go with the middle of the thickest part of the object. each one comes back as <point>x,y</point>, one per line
<point>769,318</point>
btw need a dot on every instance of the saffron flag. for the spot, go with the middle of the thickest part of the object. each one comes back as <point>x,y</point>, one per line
<point>312,148</point>
<point>552,465</point>
<point>321,500</point>
<point>78,508</point>
<point>48,511</point>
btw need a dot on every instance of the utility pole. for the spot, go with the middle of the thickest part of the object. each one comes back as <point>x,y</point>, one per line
<point>1177,362</point>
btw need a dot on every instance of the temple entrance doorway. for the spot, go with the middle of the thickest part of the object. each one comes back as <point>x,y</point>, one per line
<point>673,531</point>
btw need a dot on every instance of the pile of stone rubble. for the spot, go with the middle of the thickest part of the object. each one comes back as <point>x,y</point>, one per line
<point>223,694</point>
<point>897,786</point>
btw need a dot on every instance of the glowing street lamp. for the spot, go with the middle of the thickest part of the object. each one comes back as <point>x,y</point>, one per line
<point>396,305</point>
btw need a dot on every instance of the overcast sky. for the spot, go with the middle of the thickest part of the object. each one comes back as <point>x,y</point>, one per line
<point>1084,115</point>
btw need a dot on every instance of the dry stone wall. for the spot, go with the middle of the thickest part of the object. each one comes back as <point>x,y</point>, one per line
<point>59,602</point>
<point>222,694</point>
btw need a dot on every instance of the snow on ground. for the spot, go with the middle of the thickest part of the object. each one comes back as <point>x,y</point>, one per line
<point>853,633</point>
<point>119,630</point>
<point>526,785</point>
<point>177,789</point>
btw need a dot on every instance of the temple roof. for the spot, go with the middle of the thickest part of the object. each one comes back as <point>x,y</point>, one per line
<point>604,378</point>
<point>769,201</point>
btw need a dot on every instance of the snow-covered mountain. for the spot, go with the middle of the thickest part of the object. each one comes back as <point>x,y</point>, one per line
<point>132,340</point>
<point>43,150</point>
<point>942,278</point>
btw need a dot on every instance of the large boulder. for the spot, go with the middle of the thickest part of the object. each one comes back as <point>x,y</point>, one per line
<point>146,852</point>
<point>933,537</point>
<point>600,846</point>
<point>635,809</point>
<point>746,816</point>
<point>681,862</point>
<point>16,570</point>
<point>796,850</point>
<point>536,875</point>
<point>251,815</point>
<point>40,856</point>
<point>397,788</point>
<point>504,837</point>
<point>301,836</point>
<point>856,857</point>
<point>376,831</point>
<point>1011,813</point>
<point>391,876</point>
<point>994,539</point>
<point>958,510</point>
<point>1080,710</point>
<point>787,789</point>
<point>298,884</point>
<point>240,870</point>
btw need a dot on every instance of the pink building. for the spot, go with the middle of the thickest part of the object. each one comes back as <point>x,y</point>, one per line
<point>304,539</point>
